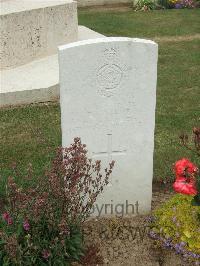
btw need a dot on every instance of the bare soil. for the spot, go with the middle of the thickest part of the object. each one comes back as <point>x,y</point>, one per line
<point>125,241</point>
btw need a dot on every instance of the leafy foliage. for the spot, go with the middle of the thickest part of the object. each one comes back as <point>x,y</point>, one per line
<point>145,5</point>
<point>176,226</point>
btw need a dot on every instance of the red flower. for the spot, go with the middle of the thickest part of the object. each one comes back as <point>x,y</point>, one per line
<point>185,181</point>
<point>184,167</point>
<point>185,185</point>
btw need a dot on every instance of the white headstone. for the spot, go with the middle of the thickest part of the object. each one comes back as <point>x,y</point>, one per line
<point>108,98</point>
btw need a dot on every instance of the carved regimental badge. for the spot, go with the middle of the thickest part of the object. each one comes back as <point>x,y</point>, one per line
<point>110,74</point>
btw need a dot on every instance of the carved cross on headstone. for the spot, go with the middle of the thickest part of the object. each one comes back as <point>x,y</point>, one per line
<point>110,152</point>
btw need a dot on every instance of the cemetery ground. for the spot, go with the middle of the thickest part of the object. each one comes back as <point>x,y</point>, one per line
<point>30,134</point>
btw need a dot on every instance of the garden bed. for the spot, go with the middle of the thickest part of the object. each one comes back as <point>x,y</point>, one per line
<point>125,241</point>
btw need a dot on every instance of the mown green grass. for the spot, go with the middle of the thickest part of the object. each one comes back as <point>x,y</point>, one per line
<point>178,102</point>
<point>142,24</point>
<point>31,134</point>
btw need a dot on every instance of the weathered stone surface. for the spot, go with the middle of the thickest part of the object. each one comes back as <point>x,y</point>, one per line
<point>108,96</point>
<point>19,85</point>
<point>33,29</point>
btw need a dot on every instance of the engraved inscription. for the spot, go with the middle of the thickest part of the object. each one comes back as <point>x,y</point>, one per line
<point>109,76</point>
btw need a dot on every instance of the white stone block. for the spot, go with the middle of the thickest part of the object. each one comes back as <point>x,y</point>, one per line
<point>37,81</point>
<point>34,82</point>
<point>108,98</point>
<point>85,33</point>
<point>33,29</point>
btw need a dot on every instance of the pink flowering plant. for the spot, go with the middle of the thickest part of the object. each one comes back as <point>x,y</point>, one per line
<point>178,4</point>
<point>42,224</point>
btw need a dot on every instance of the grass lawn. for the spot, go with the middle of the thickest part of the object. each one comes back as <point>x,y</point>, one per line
<point>142,24</point>
<point>30,134</point>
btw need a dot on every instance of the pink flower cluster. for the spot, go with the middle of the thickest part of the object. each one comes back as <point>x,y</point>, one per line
<point>26,225</point>
<point>46,254</point>
<point>6,216</point>
<point>187,4</point>
<point>183,4</point>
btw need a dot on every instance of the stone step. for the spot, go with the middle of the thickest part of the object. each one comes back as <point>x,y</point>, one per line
<point>37,81</point>
<point>33,29</point>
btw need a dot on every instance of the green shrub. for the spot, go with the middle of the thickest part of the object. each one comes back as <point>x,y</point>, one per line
<point>176,225</point>
<point>145,5</point>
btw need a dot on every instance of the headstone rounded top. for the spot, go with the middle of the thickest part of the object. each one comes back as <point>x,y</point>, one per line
<point>106,40</point>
